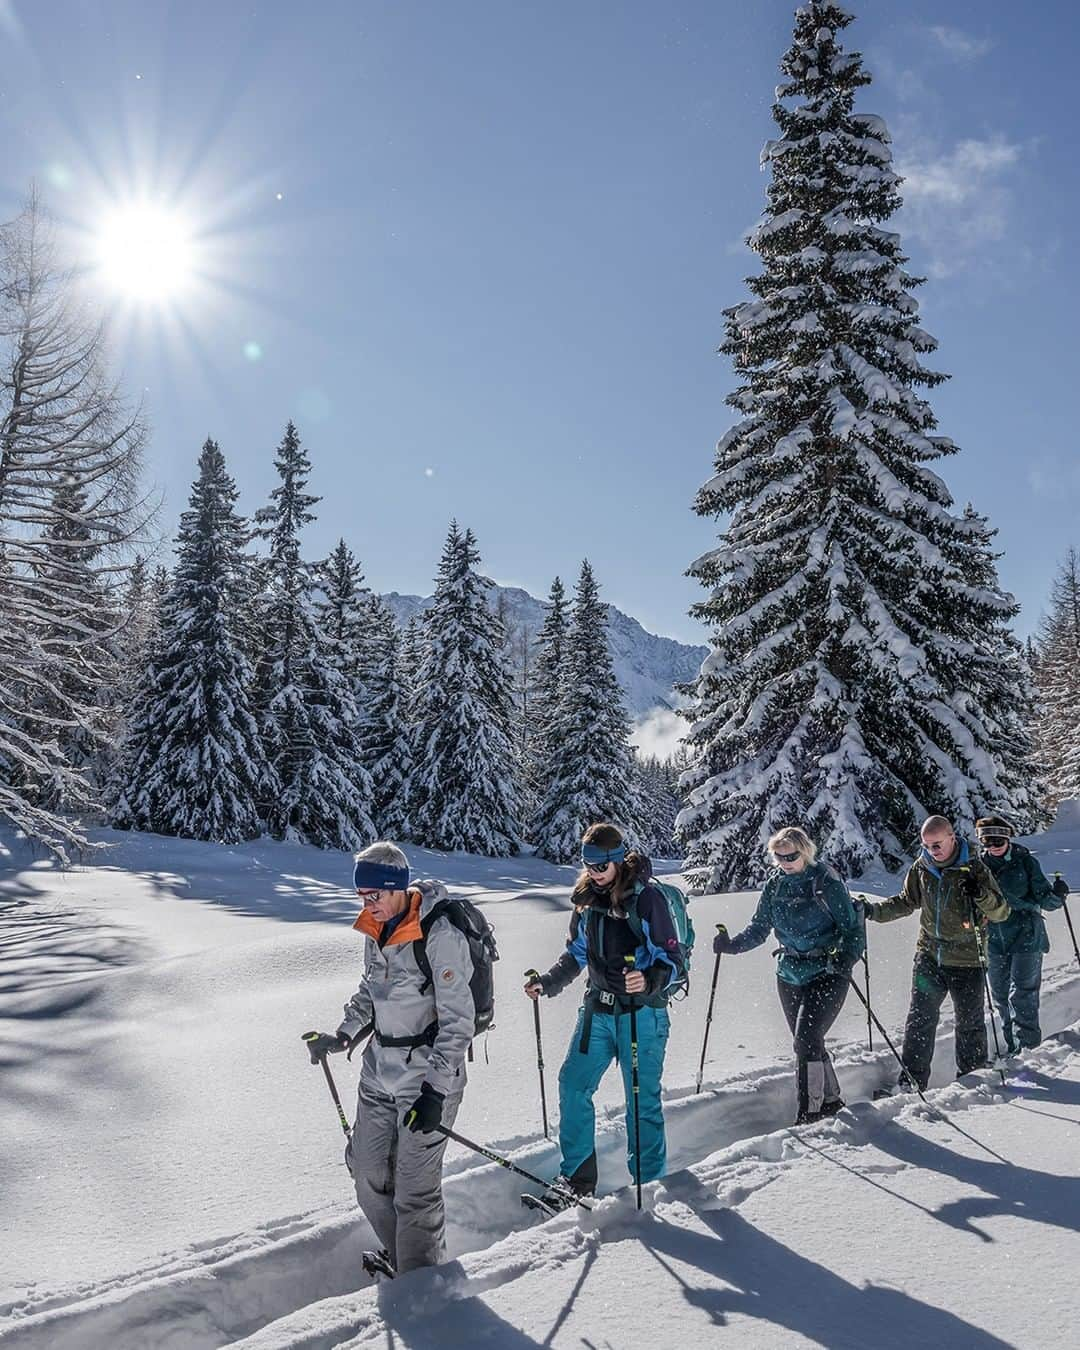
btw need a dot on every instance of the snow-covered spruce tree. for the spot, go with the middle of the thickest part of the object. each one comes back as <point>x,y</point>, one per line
<point>999,691</point>
<point>63,426</point>
<point>344,615</point>
<point>73,696</point>
<point>307,711</point>
<point>592,775</point>
<point>658,792</point>
<point>464,793</point>
<point>388,745</point>
<point>1058,676</point>
<point>841,621</point>
<point>547,683</point>
<point>193,763</point>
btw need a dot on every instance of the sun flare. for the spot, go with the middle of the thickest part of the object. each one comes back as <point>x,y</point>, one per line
<point>146,253</point>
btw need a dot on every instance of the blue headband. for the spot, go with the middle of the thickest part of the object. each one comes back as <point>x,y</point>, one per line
<point>377,876</point>
<point>593,853</point>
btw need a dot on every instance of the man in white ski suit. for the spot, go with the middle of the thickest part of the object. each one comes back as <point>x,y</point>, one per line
<point>413,1071</point>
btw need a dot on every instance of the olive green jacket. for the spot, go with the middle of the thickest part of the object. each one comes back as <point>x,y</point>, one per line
<point>950,923</point>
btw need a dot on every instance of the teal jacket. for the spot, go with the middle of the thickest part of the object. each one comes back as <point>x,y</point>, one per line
<point>1022,882</point>
<point>814,939</point>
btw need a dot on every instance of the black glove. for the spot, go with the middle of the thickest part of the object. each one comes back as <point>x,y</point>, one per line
<point>321,1043</point>
<point>1060,887</point>
<point>971,888</point>
<point>425,1114</point>
<point>722,941</point>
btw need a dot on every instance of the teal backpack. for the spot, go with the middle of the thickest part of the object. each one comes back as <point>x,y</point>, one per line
<point>678,908</point>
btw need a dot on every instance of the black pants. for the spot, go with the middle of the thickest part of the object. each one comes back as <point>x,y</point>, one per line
<point>929,985</point>
<point>811,1009</point>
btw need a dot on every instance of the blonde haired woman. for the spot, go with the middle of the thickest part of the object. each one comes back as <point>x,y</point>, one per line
<point>805,903</point>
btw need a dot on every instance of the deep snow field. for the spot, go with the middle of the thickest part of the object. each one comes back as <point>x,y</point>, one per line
<point>171,1166</point>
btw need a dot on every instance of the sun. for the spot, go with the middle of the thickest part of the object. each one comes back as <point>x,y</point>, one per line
<point>146,253</point>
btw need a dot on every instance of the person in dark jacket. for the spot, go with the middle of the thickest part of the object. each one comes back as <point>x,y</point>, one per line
<point>955,894</point>
<point>820,934</point>
<point>622,933</point>
<point>1017,946</point>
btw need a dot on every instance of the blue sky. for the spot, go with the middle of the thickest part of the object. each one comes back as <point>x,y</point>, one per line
<point>482,249</point>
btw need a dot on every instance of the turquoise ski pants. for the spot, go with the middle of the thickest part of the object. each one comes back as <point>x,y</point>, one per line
<point>580,1075</point>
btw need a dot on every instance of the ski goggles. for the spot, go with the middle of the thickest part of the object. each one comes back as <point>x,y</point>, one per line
<point>993,839</point>
<point>596,858</point>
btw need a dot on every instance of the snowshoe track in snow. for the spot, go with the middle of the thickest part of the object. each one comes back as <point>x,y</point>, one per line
<point>266,1284</point>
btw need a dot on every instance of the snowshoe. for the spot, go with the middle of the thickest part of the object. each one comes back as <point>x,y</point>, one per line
<point>378,1264</point>
<point>559,1196</point>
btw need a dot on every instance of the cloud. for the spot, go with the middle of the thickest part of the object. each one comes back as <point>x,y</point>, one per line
<point>957,44</point>
<point>658,732</point>
<point>958,201</point>
<point>959,175</point>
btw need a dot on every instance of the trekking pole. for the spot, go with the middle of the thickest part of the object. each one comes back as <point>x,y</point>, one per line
<point>1068,920</point>
<point>636,1089</point>
<point>534,976</point>
<point>311,1036</point>
<point>504,1162</point>
<point>903,1067</point>
<point>708,1016</point>
<point>866,972</point>
<point>984,961</point>
<point>885,1036</point>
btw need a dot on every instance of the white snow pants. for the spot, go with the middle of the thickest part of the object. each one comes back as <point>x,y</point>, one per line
<point>398,1178</point>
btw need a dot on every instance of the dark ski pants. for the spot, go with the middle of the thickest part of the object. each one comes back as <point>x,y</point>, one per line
<point>1015,978</point>
<point>930,983</point>
<point>811,1009</point>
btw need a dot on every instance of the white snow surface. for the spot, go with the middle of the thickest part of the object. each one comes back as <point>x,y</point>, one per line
<point>171,1172</point>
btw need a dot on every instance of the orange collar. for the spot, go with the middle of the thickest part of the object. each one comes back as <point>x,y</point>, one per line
<point>407,930</point>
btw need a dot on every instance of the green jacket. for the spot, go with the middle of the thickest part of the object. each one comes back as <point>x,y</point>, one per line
<point>1022,882</point>
<point>948,933</point>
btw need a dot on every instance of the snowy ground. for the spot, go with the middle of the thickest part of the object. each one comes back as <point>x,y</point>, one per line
<point>170,1165</point>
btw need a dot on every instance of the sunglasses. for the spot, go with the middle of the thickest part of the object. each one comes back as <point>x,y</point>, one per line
<point>785,857</point>
<point>597,867</point>
<point>938,845</point>
<point>368,895</point>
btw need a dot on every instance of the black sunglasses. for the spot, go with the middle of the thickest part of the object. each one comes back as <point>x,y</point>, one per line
<point>785,857</point>
<point>597,867</point>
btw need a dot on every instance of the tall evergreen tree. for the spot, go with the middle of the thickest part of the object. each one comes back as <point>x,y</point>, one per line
<point>547,688</point>
<point>464,790</point>
<point>193,763</point>
<point>69,468</point>
<point>388,740</point>
<point>307,710</point>
<point>72,693</point>
<point>1058,676</point>
<point>999,694</point>
<point>344,615</point>
<point>591,767</point>
<point>659,799</point>
<point>841,621</point>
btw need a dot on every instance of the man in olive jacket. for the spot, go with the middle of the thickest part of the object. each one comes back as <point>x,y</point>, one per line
<point>955,894</point>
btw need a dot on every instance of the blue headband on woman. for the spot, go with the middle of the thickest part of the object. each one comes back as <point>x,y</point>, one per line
<point>377,876</point>
<point>593,853</point>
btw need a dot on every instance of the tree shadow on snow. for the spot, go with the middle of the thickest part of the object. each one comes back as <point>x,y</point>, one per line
<point>774,1284</point>
<point>1009,1189</point>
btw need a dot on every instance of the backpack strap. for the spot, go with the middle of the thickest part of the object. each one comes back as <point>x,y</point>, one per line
<point>827,873</point>
<point>438,911</point>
